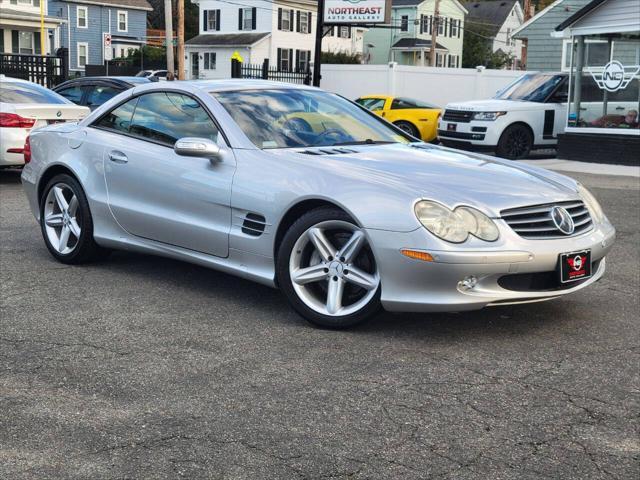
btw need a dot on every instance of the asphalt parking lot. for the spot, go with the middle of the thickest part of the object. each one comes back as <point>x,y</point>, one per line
<point>142,367</point>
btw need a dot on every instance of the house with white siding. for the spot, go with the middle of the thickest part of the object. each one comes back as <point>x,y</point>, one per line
<point>20,28</point>
<point>282,31</point>
<point>86,21</point>
<point>408,42</point>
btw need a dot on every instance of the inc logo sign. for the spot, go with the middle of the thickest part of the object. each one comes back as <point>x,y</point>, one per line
<point>613,76</point>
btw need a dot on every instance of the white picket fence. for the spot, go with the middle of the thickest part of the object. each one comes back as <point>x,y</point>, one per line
<point>430,84</point>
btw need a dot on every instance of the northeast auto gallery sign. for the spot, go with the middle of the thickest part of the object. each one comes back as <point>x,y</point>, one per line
<point>357,11</point>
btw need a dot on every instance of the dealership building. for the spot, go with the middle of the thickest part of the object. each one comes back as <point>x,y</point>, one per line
<point>604,95</point>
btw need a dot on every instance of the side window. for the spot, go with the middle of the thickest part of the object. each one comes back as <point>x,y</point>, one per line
<point>402,103</point>
<point>73,94</point>
<point>99,94</point>
<point>118,119</point>
<point>165,117</point>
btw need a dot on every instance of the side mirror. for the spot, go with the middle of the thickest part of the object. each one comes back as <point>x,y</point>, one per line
<point>198,147</point>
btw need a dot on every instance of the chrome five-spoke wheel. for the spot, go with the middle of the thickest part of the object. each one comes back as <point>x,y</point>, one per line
<point>332,268</point>
<point>61,220</point>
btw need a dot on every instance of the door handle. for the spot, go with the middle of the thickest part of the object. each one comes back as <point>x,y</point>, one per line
<point>383,114</point>
<point>619,108</point>
<point>118,157</point>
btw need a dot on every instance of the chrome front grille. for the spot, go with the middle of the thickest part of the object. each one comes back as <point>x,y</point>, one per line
<point>535,222</point>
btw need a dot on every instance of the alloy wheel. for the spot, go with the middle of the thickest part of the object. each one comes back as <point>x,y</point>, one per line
<point>61,218</point>
<point>517,143</point>
<point>332,268</point>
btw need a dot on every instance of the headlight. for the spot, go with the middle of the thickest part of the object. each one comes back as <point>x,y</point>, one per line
<point>489,116</point>
<point>455,225</point>
<point>592,204</point>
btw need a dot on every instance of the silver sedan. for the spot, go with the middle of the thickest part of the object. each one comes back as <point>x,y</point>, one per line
<point>300,189</point>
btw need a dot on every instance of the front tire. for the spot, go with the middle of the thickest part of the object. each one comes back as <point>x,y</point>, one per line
<point>66,222</point>
<point>327,271</point>
<point>515,142</point>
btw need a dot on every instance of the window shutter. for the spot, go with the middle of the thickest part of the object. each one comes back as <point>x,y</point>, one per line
<point>1,40</point>
<point>15,39</point>
<point>291,56</point>
<point>279,58</point>
<point>218,19</point>
<point>291,20</point>
<point>298,21</point>
<point>451,20</point>
<point>254,12</point>
<point>36,40</point>
<point>349,32</point>
<point>239,19</point>
<point>204,20</point>
<point>309,22</point>
<point>279,25</point>
<point>421,23</point>
<point>297,60</point>
<point>459,27</point>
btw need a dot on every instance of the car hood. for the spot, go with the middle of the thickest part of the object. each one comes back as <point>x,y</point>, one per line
<point>494,105</point>
<point>448,176</point>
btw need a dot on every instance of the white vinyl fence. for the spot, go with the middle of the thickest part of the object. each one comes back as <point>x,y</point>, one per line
<point>430,84</point>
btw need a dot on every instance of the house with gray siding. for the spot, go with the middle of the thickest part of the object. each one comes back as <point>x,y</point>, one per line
<point>86,22</point>
<point>544,52</point>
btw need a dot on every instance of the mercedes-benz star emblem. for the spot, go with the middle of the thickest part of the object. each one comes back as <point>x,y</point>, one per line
<point>562,220</point>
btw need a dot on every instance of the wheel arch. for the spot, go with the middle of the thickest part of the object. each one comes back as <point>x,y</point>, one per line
<point>298,209</point>
<point>51,172</point>
<point>521,123</point>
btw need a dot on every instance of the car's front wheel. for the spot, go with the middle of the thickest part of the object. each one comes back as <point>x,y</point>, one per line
<point>66,222</point>
<point>515,142</point>
<point>327,270</point>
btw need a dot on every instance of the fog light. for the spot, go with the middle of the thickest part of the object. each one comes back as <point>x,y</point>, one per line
<point>469,282</point>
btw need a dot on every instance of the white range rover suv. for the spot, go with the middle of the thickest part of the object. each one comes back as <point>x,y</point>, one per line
<point>527,114</point>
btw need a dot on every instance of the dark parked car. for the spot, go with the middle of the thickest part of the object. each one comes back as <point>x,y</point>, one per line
<point>94,91</point>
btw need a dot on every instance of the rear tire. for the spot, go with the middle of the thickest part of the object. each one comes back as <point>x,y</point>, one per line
<point>66,222</point>
<point>515,142</point>
<point>326,269</point>
<point>408,128</point>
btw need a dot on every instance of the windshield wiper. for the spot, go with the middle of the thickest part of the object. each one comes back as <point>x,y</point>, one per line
<point>368,141</point>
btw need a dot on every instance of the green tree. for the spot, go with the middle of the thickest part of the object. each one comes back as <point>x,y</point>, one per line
<point>477,49</point>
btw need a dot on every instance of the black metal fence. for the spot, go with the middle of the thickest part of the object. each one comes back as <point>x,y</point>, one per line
<point>119,68</point>
<point>266,72</point>
<point>47,70</point>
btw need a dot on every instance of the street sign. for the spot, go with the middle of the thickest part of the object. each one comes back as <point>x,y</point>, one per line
<point>106,42</point>
<point>354,12</point>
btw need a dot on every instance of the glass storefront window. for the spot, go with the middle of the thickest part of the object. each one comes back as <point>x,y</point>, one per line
<point>605,77</point>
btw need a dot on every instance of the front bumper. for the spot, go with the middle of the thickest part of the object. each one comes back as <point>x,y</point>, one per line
<point>473,133</point>
<point>410,285</point>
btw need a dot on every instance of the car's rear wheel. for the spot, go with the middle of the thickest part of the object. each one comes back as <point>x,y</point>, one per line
<point>515,142</point>
<point>327,270</point>
<point>66,222</point>
<point>408,128</point>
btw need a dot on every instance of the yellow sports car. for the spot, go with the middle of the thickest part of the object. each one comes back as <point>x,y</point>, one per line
<point>417,118</point>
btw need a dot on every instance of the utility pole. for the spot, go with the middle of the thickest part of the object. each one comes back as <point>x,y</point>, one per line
<point>318,49</point>
<point>528,10</point>
<point>180,52</point>
<point>168,26</point>
<point>435,23</point>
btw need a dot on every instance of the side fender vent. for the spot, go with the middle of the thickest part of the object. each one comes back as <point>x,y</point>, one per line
<point>253,224</point>
<point>329,151</point>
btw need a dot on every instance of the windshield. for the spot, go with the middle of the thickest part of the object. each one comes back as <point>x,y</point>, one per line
<point>283,118</point>
<point>19,92</point>
<point>532,87</point>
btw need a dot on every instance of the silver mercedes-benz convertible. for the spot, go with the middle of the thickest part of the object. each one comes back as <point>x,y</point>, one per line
<point>301,189</point>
